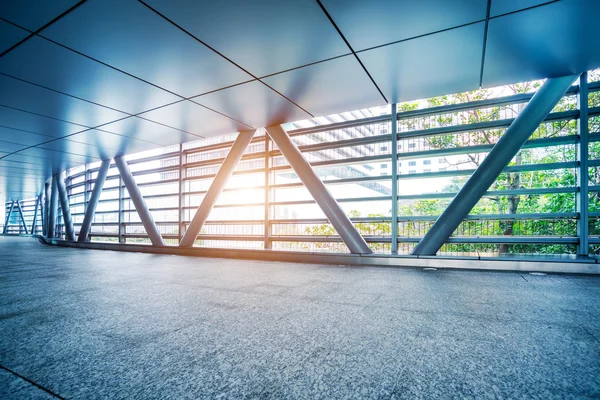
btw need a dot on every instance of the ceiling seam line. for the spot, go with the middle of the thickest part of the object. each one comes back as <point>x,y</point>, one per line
<point>525,9</point>
<point>484,46</point>
<point>351,49</point>
<point>221,54</point>
<point>111,67</point>
<point>421,36</point>
<point>34,33</point>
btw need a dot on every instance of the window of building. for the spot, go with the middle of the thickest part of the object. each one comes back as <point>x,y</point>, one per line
<point>426,170</point>
<point>412,163</point>
<point>411,145</point>
<point>383,165</point>
<point>383,148</point>
<point>426,162</point>
<point>383,173</point>
<point>412,171</point>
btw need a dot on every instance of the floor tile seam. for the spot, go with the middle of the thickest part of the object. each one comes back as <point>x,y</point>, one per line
<point>32,382</point>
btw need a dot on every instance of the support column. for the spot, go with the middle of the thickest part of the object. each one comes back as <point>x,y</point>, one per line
<point>182,158</point>
<point>138,202</point>
<point>93,202</point>
<point>340,221</point>
<point>215,189</point>
<point>47,194</point>
<point>64,206</point>
<point>488,171</point>
<point>394,178</point>
<point>12,205</point>
<point>582,202</point>
<point>38,199</point>
<point>53,209</point>
<point>22,217</point>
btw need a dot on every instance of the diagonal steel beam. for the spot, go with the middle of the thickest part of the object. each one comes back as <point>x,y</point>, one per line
<point>46,209</point>
<point>53,209</point>
<point>91,208</point>
<point>12,205</point>
<point>488,171</point>
<point>35,213</point>
<point>22,217</point>
<point>64,206</point>
<point>138,202</point>
<point>340,221</point>
<point>216,187</point>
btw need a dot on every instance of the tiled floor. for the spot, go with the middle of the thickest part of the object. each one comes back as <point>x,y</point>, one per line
<point>88,324</point>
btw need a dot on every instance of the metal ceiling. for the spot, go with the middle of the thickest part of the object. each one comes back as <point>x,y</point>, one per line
<point>88,80</point>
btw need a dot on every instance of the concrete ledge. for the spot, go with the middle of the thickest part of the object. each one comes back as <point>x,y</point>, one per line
<point>586,265</point>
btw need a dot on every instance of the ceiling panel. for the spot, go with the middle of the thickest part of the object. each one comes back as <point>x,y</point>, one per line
<point>328,87</point>
<point>35,99</point>
<point>372,23</point>
<point>444,63</point>
<point>33,14</point>
<point>553,40</point>
<point>21,137</point>
<point>9,147</point>
<point>113,144</point>
<point>16,119</point>
<point>9,35</point>
<point>77,148</point>
<point>50,65</point>
<point>151,48</point>
<point>254,104</point>
<point>263,36</point>
<point>58,160</point>
<point>499,7</point>
<point>191,117</point>
<point>142,129</point>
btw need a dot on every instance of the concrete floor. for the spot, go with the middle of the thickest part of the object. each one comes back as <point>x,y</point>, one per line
<point>90,324</point>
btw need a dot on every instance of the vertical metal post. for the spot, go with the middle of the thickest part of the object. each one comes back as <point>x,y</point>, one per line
<point>64,206</point>
<point>53,209</point>
<point>394,178</point>
<point>180,197</point>
<point>8,215</point>
<point>47,195</point>
<point>93,202</point>
<point>138,202</point>
<point>267,217</point>
<point>216,187</point>
<point>22,218</point>
<point>38,200</point>
<point>340,221</point>
<point>488,171</point>
<point>121,230</point>
<point>582,176</point>
<point>42,214</point>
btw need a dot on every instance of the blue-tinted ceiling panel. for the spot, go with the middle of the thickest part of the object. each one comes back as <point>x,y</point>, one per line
<point>33,14</point>
<point>113,144</point>
<point>508,6</point>
<point>333,86</point>
<point>191,117</point>
<point>552,40</point>
<point>50,65</point>
<point>254,104</point>
<point>35,99</point>
<point>20,120</point>
<point>10,35</point>
<point>444,63</point>
<point>129,36</point>
<point>376,22</point>
<point>141,129</point>
<point>21,137</point>
<point>263,36</point>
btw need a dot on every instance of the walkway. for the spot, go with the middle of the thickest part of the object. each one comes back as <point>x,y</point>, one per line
<point>87,324</point>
